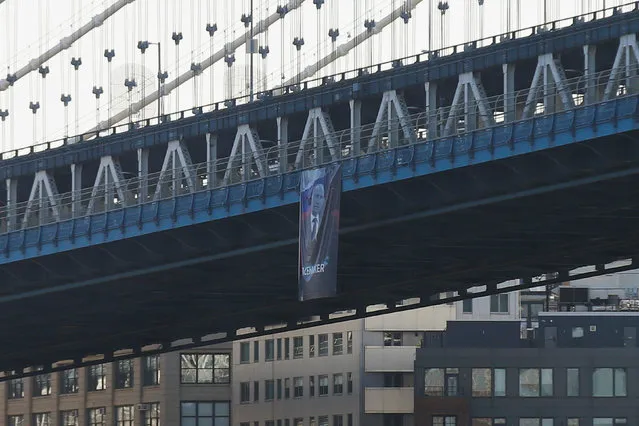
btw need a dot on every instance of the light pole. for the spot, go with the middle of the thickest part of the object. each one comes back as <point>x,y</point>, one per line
<point>143,45</point>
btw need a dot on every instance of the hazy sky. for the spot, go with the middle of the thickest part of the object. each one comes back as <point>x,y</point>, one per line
<point>30,27</point>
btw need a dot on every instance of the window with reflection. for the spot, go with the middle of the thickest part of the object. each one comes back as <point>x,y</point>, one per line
<point>609,421</point>
<point>298,387</point>
<point>124,415</point>
<point>535,382</point>
<point>124,374</point>
<point>42,419</point>
<point>444,420</point>
<point>16,420</point>
<point>323,385</point>
<point>500,381</point>
<point>42,385</point>
<point>205,368</point>
<point>97,416</point>
<point>482,382</point>
<point>152,414</point>
<point>269,350</point>
<point>69,418</point>
<point>269,390</point>
<point>609,382</point>
<point>199,413</point>
<point>572,422</point>
<point>298,347</point>
<point>97,379</point>
<point>322,341</point>
<point>338,384</point>
<point>349,383</point>
<point>16,388</point>
<point>151,369</point>
<point>69,381</point>
<point>322,420</point>
<point>572,382</point>
<point>338,344</point>
<point>349,342</point>
<point>482,422</point>
<point>434,382</point>
<point>245,353</point>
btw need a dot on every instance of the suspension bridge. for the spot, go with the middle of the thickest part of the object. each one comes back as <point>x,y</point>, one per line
<point>504,162</point>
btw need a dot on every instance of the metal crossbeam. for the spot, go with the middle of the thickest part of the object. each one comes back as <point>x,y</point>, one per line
<point>247,148</point>
<point>624,66</point>
<point>549,79</point>
<point>319,133</point>
<point>392,114</point>
<point>108,179</point>
<point>177,172</point>
<point>44,194</point>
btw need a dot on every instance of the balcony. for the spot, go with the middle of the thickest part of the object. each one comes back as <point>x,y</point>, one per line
<point>389,400</point>
<point>389,359</point>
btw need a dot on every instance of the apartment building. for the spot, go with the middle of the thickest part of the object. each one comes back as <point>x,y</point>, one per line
<point>355,373</point>
<point>180,388</point>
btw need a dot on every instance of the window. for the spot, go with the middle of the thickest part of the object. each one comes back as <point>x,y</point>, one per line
<point>42,419</point>
<point>572,422</point>
<point>205,368</point>
<point>16,420</point>
<point>16,388</point>
<point>393,380</point>
<point>322,420</point>
<point>97,380</point>
<point>205,413</point>
<point>467,306</point>
<point>323,385</point>
<point>577,332</point>
<point>245,353</point>
<point>298,347</point>
<point>151,368</point>
<point>572,382</point>
<point>311,346</point>
<point>535,382</point>
<point>392,339</point>
<point>287,388</point>
<point>97,416</point>
<point>349,383</point>
<point>298,422</point>
<point>323,344</point>
<point>349,342</point>
<point>287,348</point>
<point>482,422</point>
<point>338,344</point>
<point>269,350</point>
<point>298,387</point>
<point>444,420</point>
<point>608,382</point>
<point>338,420</point>
<point>500,381</point>
<point>279,388</point>
<point>42,385</point>
<point>603,421</point>
<point>349,420</point>
<point>434,382</point>
<point>338,384</point>
<point>124,374</point>
<point>124,415</point>
<point>279,348</point>
<point>256,391</point>
<point>269,390</point>
<point>69,418</point>
<point>69,383</point>
<point>393,419</point>
<point>536,422</point>
<point>482,382</point>
<point>256,351</point>
<point>245,392</point>
<point>311,385</point>
<point>152,414</point>
<point>499,303</point>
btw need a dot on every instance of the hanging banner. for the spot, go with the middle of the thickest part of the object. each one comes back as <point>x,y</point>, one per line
<point>320,192</point>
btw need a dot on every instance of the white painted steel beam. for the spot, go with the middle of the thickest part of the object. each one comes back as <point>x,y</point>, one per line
<point>247,148</point>
<point>320,134</point>
<point>469,101</point>
<point>177,172</point>
<point>550,81</point>
<point>44,195</point>
<point>108,179</point>
<point>391,116</point>
<point>624,67</point>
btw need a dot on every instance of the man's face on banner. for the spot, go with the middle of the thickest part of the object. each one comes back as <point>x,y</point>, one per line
<point>317,199</point>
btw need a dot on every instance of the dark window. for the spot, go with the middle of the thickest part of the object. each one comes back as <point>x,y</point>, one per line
<point>397,420</point>
<point>279,348</point>
<point>124,415</point>
<point>245,353</point>
<point>69,381</point>
<point>97,379</point>
<point>151,369</point>
<point>279,388</point>
<point>467,306</point>
<point>269,390</point>
<point>311,385</point>
<point>256,391</point>
<point>42,385</point>
<point>124,374</point>
<point>69,418</point>
<point>349,383</point>
<point>311,346</point>
<point>298,347</point>
<point>498,304</point>
<point>256,351</point>
<point>287,348</point>
<point>287,388</point>
<point>444,420</point>
<point>393,380</point>
<point>205,413</point>
<point>16,388</point>
<point>269,350</point>
<point>338,420</point>
<point>97,416</point>
<point>245,392</point>
<point>205,368</point>
<point>151,414</point>
<point>349,421</point>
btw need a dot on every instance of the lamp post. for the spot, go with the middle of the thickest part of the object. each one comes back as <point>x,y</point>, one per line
<point>143,45</point>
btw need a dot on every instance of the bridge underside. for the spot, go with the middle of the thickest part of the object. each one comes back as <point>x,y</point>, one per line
<point>531,214</point>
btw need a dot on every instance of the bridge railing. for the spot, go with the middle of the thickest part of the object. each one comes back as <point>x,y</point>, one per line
<point>324,81</point>
<point>416,127</point>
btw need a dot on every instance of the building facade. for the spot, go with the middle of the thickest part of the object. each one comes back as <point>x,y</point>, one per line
<point>179,388</point>
<point>575,370</point>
